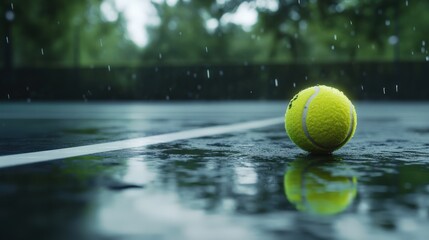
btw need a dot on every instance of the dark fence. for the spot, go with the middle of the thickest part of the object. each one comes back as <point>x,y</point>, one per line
<point>369,80</point>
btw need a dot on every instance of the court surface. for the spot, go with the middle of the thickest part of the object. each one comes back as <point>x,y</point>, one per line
<point>208,170</point>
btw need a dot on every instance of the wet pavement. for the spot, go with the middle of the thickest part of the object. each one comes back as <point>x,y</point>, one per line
<point>242,185</point>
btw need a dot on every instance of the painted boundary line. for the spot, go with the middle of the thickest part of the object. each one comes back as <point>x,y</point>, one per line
<point>49,155</point>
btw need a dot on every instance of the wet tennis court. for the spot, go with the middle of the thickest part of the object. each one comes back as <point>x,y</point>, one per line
<point>208,170</point>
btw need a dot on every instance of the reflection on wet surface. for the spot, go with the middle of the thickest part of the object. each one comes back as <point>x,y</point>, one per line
<point>244,185</point>
<point>319,185</point>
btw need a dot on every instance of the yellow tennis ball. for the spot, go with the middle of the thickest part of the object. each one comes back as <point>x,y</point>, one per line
<point>320,119</point>
<point>313,187</point>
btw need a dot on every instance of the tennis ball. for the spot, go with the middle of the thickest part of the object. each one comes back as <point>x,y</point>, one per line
<point>320,119</point>
<point>313,187</point>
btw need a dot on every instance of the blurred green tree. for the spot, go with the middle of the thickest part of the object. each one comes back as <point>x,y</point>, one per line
<point>290,30</point>
<point>185,36</point>
<point>66,33</point>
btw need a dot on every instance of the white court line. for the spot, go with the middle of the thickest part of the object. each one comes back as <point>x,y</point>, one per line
<point>43,156</point>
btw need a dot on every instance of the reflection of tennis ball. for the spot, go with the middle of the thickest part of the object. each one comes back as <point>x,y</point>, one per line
<point>320,119</point>
<point>312,186</point>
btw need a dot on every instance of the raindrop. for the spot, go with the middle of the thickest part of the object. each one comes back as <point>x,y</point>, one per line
<point>108,67</point>
<point>221,72</point>
<point>208,73</point>
<point>160,55</point>
<point>251,91</point>
<point>406,3</point>
<point>101,42</point>
<point>361,87</point>
<point>412,52</point>
<point>276,82</point>
<point>427,58</point>
<point>294,84</point>
<point>167,97</point>
<point>358,46</point>
<point>7,39</point>
<point>335,37</point>
<point>351,23</point>
<point>423,43</point>
<point>195,75</point>
<point>11,6</point>
<point>363,207</point>
<point>42,51</point>
<point>306,78</point>
<point>9,16</point>
<point>414,28</point>
<point>8,96</point>
<point>188,73</point>
<point>384,90</point>
<point>299,2</point>
<point>180,33</point>
<point>387,22</point>
<point>393,40</point>
<point>207,49</point>
<point>423,50</point>
<point>396,87</point>
<point>332,47</point>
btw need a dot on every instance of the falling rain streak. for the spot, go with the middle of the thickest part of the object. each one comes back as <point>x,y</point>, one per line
<point>42,51</point>
<point>7,39</point>
<point>276,82</point>
<point>208,73</point>
<point>108,68</point>
<point>101,42</point>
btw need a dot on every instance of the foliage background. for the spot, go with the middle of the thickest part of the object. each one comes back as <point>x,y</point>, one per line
<point>372,48</point>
